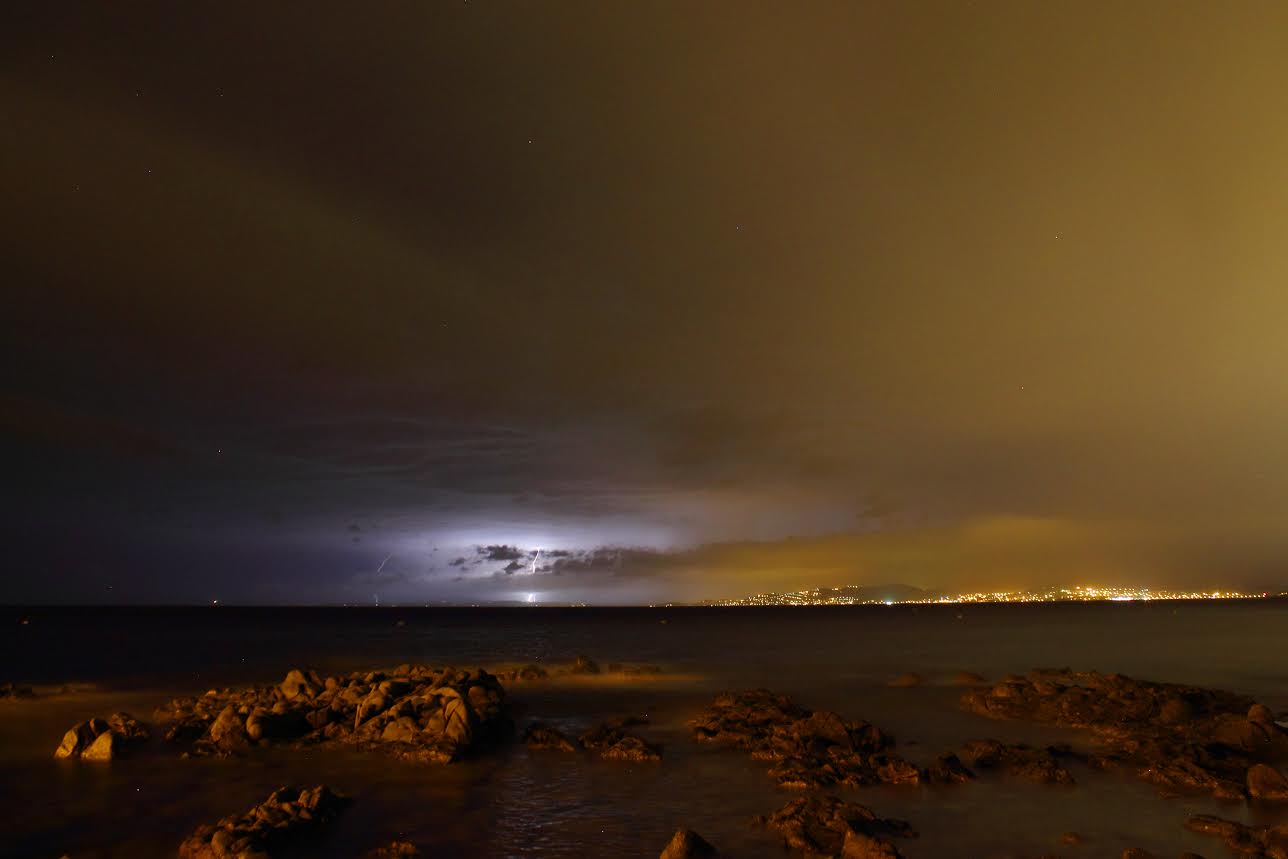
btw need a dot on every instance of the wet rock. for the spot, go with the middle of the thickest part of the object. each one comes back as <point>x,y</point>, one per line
<point>102,740</point>
<point>414,712</point>
<point>1254,842</point>
<point>394,850</point>
<point>1073,839</point>
<point>614,744</point>
<point>539,736</point>
<point>585,665</point>
<point>1022,761</point>
<point>948,769</point>
<point>1181,738</point>
<point>14,692</point>
<point>273,824</point>
<point>529,674</point>
<point>906,680</point>
<point>827,826</point>
<point>1137,853</point>
<point>1267,783</point>
<point>968,678</point>
<point>811,749</point>
<point>687,844</point>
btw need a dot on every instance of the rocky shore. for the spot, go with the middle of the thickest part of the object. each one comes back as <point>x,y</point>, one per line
<point>1181,738</point>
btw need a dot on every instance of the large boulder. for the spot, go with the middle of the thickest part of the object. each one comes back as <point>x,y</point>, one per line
<point>1267,783</point>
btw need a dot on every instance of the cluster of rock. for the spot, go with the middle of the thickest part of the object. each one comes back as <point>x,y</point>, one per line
<point>275,823</point>
<point>812,749</point>
<point>102,739</point>
<point>416,712</point>
<point>1178,737</point>
<point>394,850</point>
<point>1252,842</point>
<point>1022,761</point>
<point>825,826</point>
<point>14,692</point>
<point>609,740</point>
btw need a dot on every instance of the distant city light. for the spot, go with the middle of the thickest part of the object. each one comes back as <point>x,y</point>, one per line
<point>1080,593</point>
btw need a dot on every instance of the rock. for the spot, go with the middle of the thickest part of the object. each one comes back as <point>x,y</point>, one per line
<point>687,844</point>
<point>102,740</point>
<point>911,678</point>
<point>812,749</point>
<point>273,824</point>
<point>1137,853</point>
<point>1251,842</point>
<point>1020,760</point>
<point>968,678</point>
<point>297,683</point>
<point>415,712</point>
<point>821,824</point>
<point>1071,838</point>
<point>1181,738</point>
<point>394,850</point>
<point>948,769</point>
<point>585,665</point>
<point>614,744</point>
<point>14,692</point>
<point>1267,783</point>
<point>539,736</point>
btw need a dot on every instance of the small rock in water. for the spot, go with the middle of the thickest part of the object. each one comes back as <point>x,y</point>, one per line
<point>14,692</point>
<point>687,844</point>
<point>539,736</point>
<point>614,744</point>
<point>906,680</point>
<point>394,850</point>
<point>968,678</point>
<point>585,665</point>
<point>1071,838</point>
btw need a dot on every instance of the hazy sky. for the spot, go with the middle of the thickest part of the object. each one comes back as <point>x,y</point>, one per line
<point>310,304</point>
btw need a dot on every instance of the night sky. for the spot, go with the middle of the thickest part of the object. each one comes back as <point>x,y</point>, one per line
<point>619,302</point>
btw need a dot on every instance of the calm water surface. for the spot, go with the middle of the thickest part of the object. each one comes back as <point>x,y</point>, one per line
<point>522,804</point>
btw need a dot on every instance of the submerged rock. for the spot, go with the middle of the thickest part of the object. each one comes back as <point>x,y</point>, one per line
<point>539,736</point>
<point>1034,764</point>
<point>906,680</point>
<point>102,740</point>
<point>822,825</point>
<point>273,824</point>
<point>416,712</point>
<point>394,850</point>
<point>1178,737</point>
<point>687,844</point>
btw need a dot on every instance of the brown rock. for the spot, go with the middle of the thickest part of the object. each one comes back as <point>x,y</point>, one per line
<point>585,665</point>
<point>687,844</point>
<point>1070,838</point>
<point>394,850</point>
<point>273,824</point>
<point>1267,783</point>
<point>821,824</point>
<point>968,678</point>
<point>908,679</point>
<point>539,736</point>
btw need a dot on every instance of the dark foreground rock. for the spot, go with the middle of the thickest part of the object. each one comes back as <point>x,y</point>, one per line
<point>825,826</point>
<point>812,749</point>
<point>102,739</point>
<point>1178,737</point>
<point>687,844</point>
<point>1039,765</point>
<point>415,712</point>
<point>274,824</point>
<point>1254,842</point>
